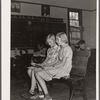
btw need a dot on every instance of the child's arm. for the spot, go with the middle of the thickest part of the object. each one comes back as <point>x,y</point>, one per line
<point>66,55</point>
<point>52,63</point>
<point>58,61</point>
<point>47,58</point>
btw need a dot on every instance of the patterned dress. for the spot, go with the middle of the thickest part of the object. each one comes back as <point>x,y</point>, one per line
<point>65,55</point>
<point>52,54</point>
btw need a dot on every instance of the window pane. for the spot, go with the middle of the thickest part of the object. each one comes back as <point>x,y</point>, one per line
<point>74,35</point>
<point>73,15</point>
<point>74,23</point>
<point>78,34</point>
<point>76,16</point>
<point>71,22</point>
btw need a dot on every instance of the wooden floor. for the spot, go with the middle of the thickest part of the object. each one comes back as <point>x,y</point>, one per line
<point>58,92</point>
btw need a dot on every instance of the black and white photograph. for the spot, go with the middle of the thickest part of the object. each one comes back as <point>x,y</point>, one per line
<point>51,50</point>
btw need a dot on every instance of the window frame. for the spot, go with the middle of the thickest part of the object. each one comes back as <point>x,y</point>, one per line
<point>80,23</point>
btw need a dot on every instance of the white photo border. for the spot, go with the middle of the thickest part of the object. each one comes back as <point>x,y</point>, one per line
<point>5,50</point>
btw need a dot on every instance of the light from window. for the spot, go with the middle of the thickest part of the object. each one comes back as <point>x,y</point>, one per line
<point>74,23</point>
<point>73,15</point>
<point>74,19</point>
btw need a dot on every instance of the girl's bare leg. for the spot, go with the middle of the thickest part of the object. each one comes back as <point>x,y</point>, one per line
<point>29,71</point>
<point>44,87</point>
<point>42,83</point>
<point>33,81</point>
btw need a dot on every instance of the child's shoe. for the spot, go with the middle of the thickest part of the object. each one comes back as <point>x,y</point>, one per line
<point>47,98</point>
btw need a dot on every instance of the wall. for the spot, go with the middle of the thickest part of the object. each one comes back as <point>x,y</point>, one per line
<point>89,18</point>
<point>93,29</point>
<point>81,4</point>
<point>35,10</point>
<point>29,9</point>
<point>89,23</point>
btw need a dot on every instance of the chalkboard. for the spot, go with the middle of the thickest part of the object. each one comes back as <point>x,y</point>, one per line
<point>27,33</point>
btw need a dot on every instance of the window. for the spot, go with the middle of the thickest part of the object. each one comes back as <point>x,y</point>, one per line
<point>75,25</point>
<point>74,19</point>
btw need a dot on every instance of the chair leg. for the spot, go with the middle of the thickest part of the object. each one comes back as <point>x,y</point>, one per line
<point>84,94</point>
<point>71,91</point>
<point>84,97</point>
<point>71,95</point>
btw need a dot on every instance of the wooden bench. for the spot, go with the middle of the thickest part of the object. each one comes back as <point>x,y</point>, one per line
<point>77,74</point>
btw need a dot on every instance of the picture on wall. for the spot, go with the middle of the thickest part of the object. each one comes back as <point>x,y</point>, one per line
<point>15,6</point>
<point>45,10</point>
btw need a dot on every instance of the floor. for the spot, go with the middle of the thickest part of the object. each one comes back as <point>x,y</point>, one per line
<point>58,92</point>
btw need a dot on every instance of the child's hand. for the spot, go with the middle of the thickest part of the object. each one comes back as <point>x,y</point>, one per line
<point>39,66</point>
<point>33,64</point>
<point>30,67</point>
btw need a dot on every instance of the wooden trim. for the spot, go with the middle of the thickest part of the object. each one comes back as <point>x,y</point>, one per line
<point>55,6</point>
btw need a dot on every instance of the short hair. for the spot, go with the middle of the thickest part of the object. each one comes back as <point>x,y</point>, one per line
<point>81,42</point>
<point>63,36</point>
<point>50,36</point>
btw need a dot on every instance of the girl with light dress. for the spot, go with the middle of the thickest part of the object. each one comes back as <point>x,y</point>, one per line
<point>52,58</point>
<point>59,69</point>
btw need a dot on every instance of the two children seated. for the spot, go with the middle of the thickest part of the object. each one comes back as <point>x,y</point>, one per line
<point>57,64</point>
